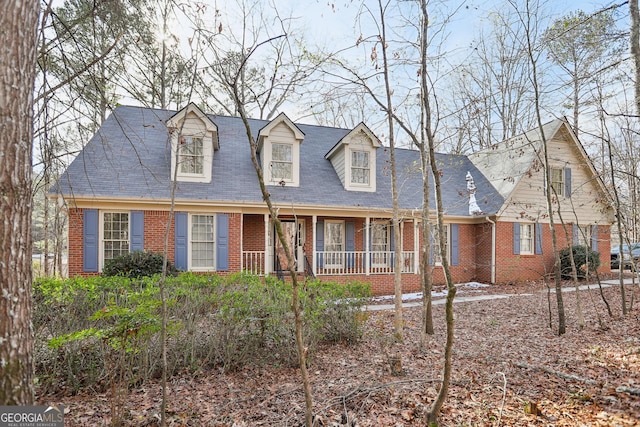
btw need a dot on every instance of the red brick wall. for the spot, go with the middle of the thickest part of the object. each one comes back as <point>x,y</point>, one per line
<point>75,241</point>
<point>253,233</point>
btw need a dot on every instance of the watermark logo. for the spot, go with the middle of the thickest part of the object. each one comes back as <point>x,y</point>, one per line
<point>32,416</point>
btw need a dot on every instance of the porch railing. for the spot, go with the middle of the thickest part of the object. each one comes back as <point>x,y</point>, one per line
<point>339,263</point>
<point>253,262</point>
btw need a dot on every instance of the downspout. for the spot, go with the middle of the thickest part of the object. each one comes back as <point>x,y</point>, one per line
<point>493,249</point>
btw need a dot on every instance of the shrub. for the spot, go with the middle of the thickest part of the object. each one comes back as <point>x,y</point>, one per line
<point>586,259</point>
<point>137,264</point>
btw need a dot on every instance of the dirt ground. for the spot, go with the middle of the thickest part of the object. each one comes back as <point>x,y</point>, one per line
<point>510,369</point>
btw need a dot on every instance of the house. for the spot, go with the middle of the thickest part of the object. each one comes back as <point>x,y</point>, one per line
<point>332,191</point>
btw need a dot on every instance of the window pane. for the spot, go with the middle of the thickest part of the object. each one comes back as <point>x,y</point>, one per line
<point>115,229</point>
<point>557,180</point>
<point>202,241</point>
<point>360,167</point>
<point>333,238</point>
<point>526,238</point>
<point>191,155</point>
<point>281,161</point>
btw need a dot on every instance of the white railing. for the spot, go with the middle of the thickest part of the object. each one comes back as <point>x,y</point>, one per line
<point>253,262</point>
<point>353,262</point>
<point>339,263</point>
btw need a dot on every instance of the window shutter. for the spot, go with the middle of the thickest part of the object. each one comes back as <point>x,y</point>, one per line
<point>350,244</point>
<point>538,238</point>
<point>320,243</point>
<point>516,238</point>
<point>181,240</point>
<point>222,242</point>
<point>137,231</point>
<point>575,234</point>
<point>594,237</point>
<point>90,240</point>
<point>567,182</point>
<point>392,244</point>
<point>454,244</point>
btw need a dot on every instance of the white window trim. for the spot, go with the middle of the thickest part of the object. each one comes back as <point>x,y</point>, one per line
<point>532,238</point>
<point>561,182</point>
<point>207,158</point>
<point>341,256</point>
<point>190,243</point>
<point>387,249</point>
<point>276,180</point>
<point>349,185</point>
<point>101,259</point>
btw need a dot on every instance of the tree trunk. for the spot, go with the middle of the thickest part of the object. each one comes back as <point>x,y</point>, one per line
<point>18,23</point>
<point>635,49</point>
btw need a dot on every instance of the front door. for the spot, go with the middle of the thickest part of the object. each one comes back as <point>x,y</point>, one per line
<point>290,232</point>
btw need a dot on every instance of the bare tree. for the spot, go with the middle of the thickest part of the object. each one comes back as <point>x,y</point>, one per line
<point>17,75</point>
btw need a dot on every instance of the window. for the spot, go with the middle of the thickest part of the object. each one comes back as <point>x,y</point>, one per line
<point>281,162</point>
<point>334,243</point>
<point>115,234</point>
<point>584,235</point>
<point>380,244</point>
<point>435,243</point>
<point>191,155</point>
<point>526,239</point>
<point>360,167</point>
<point>202,242</point>
<point>557,181</point>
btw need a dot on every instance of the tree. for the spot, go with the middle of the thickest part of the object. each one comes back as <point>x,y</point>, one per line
<point>580,44</point>
<point>17,75</point>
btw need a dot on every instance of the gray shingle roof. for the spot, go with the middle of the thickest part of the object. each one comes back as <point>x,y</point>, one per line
<point>129,157</point>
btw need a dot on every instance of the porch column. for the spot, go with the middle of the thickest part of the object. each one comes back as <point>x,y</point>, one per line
<point>416,246</point>
<point>314,220</point>
<point>267,246</point>
<point>242,260</point>
<point>367,236</point>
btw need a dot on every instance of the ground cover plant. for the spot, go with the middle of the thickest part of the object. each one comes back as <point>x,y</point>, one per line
<point>510,369</point>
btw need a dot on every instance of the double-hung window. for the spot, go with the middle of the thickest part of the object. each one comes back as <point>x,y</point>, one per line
<point>435,243</point>
<point>334,244</point>
<point>557,181</point>
<point>360,167</point>
<point>527,234</point>
<point>191,155</point>
<point>115,234</point>
<point>202,241</point>
<point>380,244</point>
<point>282,162</point>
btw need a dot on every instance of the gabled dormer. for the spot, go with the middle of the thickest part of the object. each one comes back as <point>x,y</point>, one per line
<point>279,148</point>
<point>354,159</point>
<point>194,139</point>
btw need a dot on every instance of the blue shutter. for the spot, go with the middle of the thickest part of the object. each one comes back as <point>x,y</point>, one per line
<point>181,240</point>
<point>567,182</point>
<point>594,237</point>
<point>538,238</point>
<point>455,245</point>
<point>319,243</point>
<point>222,242</point>
<point>350,244</point>
<point>516,238</point>
<point>575,234</point>
<point>137,231</point>
<point>90,240</point>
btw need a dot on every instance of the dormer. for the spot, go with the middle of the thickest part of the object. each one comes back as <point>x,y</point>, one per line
<point>194,138</point>
<point>354,159</point>
<point>279,148</point>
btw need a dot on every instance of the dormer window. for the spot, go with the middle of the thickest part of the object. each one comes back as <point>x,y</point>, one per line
<point>354,159</point>
<point>194,138</point>
<point>191,155</point>
<point>279,147</point>
<point>360,171</point>
<point>282,162</point>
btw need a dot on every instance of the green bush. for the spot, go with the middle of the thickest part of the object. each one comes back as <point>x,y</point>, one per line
<point>586,260</point>
<point>137,264</point>
<point>87,329</point>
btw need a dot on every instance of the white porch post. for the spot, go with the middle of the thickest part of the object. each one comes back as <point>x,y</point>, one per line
<point>416,246</point>
<point>242,260</point>
<point>267,246</point>
<point>314,220</point>
<point>367,236</point>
